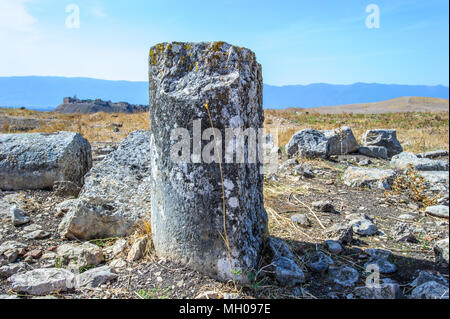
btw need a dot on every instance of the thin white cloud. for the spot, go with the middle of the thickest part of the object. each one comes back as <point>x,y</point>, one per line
<point>98,11</point>
<point>14,16</point>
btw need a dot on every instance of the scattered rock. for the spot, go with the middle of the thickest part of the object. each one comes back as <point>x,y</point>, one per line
<point>34,254</point>
<point>368,177</point>
<point>283,267</point>
<point>18,216</point>
<point>318,261</point>
<point>364,162</point>
<point>287,272</point>
<point>430,290</point>
<point>426,276</point>
<point>441,251</point>
<point>37,234</point>
<point>42,281</point>
<point>323,206</point>
<point>344,276</point>
<point>438,211</point>
<point>116,249</point>
<point>308,143</point>
<point>11,250</point>
<point>304,170</point>
<point>406,217</point>
<point>364,227</point>
<point>278,248</point>
<point>343,234</point>
<point>403,233</point>
<point>341,141</point>
<point>384,138</point>
<point>116,193</point>
<point>76,256</point>
<point>405,160</point>
<point>379,259</point>
<point>12,269</point>
<point>95,277</point>
<point>333,246</point>
<point>444,200</point>
<point>301,219</point>
<point>38,160</point>
<point>376,253</point>
<point>118,264</point>
<point>137,251</point>
<point>289,163</point>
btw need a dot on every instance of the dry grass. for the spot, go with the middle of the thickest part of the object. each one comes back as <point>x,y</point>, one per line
<point>418,132</point>
<point>96,127</point>
<point>412,185</point>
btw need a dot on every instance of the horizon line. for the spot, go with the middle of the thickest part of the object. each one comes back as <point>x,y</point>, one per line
<point>273,85</point>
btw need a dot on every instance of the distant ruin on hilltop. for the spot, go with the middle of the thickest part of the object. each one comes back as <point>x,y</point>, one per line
<point>74,105</point>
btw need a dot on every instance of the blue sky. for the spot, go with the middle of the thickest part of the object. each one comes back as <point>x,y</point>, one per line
<point>297,42</point>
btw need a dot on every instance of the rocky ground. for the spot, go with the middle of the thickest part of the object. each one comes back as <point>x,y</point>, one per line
<point>335,231</point>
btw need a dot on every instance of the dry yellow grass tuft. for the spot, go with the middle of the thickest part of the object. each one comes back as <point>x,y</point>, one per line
<point>97,127</point>
<point>413,185</point>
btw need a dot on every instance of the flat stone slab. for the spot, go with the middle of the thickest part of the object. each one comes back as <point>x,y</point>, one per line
<point>95,277</point>
<point>369,177</point>
<point>438,211</point>
<point>435,177</point>
<point>41,282</point>
<point>433,154</point>
<point>406,160</point>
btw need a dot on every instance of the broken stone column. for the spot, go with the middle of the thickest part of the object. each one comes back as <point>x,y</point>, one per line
<point>186,187</point>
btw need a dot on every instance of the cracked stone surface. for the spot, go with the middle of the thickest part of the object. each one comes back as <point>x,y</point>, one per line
<point>187,214</point>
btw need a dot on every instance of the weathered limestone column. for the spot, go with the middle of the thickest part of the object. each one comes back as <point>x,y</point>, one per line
<point>187,213</point>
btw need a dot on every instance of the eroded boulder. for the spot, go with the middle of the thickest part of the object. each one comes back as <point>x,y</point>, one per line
<point>116,194</point>
<point>384,138</point>
<point>310,143</point>
<point>38,160</point>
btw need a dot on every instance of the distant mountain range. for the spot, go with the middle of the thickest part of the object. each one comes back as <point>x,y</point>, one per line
<point>46,93</point>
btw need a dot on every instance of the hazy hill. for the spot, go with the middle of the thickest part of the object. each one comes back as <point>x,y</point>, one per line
<point>46,93</point>
<point>316,95</point>
<point>398,105</point>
